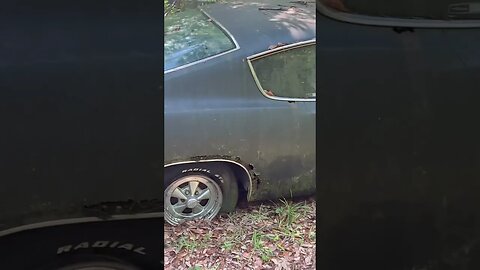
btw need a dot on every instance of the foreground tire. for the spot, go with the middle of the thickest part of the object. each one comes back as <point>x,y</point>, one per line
<point>92,262</point>
<point>132,244</point>
<point>199,193</point>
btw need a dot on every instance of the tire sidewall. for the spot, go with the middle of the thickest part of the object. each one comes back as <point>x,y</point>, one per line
<point>131,242</point>
<point>73,262</point>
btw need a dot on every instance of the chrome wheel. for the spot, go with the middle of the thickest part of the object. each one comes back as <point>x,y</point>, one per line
<point>192,197</point>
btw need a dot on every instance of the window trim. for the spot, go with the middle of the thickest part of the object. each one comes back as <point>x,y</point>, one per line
<point>275,51</point>
<point>225,31</point>
<point>392,21</point>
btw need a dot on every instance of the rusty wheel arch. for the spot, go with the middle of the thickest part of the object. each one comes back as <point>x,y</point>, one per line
<point>242,172</point>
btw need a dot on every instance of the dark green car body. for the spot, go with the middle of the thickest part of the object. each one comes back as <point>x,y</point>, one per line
<point>216,111</point>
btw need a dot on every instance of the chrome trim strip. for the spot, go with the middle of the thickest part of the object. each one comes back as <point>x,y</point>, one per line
<point>249,195</point>
<point>394,22</point>
<point>274,51</point>
<point>237,47</point>
<point>77,221</point>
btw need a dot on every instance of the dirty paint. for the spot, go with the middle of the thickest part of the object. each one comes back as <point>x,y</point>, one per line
<point>276,180</point>
<point>269,188</point>
<point>43,212</point>
<point>107,209</point>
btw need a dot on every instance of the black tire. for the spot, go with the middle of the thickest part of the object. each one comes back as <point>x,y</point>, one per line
<point>91,262</point>
<point>221,174</point>
<point>133,244</point>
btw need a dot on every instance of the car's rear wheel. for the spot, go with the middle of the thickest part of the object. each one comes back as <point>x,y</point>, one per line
<point>199,193</point>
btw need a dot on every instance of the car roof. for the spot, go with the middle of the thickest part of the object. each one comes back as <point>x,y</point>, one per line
<point>257,25</point>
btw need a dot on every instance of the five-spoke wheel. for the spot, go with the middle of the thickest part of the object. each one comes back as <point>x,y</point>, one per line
<point>192,197</point>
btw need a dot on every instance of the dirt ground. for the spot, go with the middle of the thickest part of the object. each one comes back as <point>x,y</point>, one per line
<point>279,235</point>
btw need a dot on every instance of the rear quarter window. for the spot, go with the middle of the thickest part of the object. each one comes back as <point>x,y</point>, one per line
<point>288,73</point>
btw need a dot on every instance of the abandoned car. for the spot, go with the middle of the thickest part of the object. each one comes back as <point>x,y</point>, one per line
<point>239,106</point>
<point>81,160</point>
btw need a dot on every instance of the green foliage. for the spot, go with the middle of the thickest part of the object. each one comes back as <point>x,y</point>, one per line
<point>259,246</point>
<point>171,8</point>
<point>228,245</point>
<point>193,243</point>
<point>258,236</point>
<point>289,212</point>
<point>180,5</point>
<point>185,243</point>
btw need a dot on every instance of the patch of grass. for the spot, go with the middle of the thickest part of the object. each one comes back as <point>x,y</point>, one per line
<point>312,235</point>
<point>273,237</point>
<point>239,235</point>
<point>266,254</point>
<point>227,245</point>
<point>189,244</point>
<point>261,232</point>
<point>185,243</point>
<point>261,213</point>
<point>289,212</point>
<point>207,237</point>
<point>257,240</point>
<point>198,267</point>
<point>258,245</point>
<point>291,233</point>
<point>290,216</point>
<point>234,238</point>
<point>255,216</point>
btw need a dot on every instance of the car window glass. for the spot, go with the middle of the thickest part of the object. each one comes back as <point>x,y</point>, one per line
<point>191,36</point>
<point>287,74</point>
<point>410,9</point>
